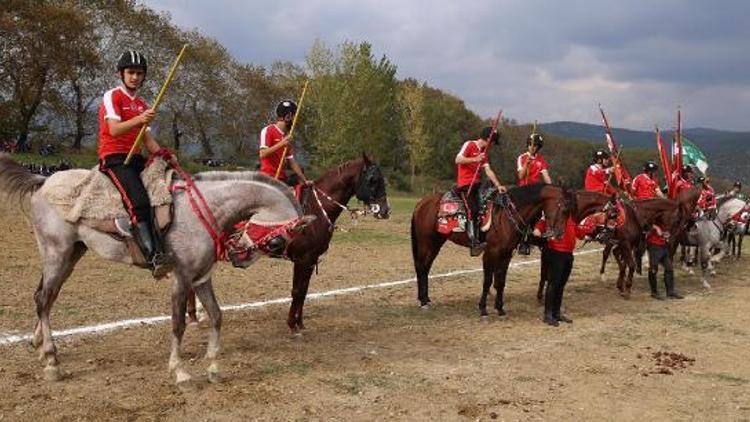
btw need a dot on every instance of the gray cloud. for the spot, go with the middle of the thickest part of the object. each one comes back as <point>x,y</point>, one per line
<point>546,60</point>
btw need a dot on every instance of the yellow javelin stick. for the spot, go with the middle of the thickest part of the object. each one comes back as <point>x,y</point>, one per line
<point>291,131</point>
<point>139,139</point>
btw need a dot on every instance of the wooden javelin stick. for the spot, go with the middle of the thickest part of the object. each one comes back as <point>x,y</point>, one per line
<point>139,138</point>
<point>291,130</point>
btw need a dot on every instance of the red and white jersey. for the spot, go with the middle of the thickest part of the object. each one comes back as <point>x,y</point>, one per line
<point>645,186</point>
<point>118,104</point>
<point>468,173</point>
<point>682,185</point>
<point>707,200</point>
<point>270,136</point>
<point>597,179</point>
<point>537,164</point>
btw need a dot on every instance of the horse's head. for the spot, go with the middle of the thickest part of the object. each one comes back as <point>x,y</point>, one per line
<point>585,203</point>
<point>556,204</point>
<point>370,189</point>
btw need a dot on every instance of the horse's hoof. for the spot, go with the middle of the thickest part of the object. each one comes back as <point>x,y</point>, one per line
<point>484,319</point>
<point>426,306</point>
<point>296,334</point>
<point>713,272</point>
<point>705,284</point>
<point>187,385</point>
<point>602,278</point>
<point>52,373</point>
<point>213,373</point>
<point>501,313</point>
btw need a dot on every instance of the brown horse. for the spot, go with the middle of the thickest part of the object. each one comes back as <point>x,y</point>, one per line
<point>509,223</point>
<point>628,243</point>
<point>332,191</point>
<point>361,178</point>
<point>584,204</point>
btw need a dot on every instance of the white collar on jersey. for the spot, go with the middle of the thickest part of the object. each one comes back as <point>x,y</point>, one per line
<point>125,91</point>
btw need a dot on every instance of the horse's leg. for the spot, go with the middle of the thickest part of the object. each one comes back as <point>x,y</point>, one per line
<point>425,248</point>
<point>605,257</point>
<point>179,308</point>
<point>191,308</point>
<point>739,244</point>
<point>205,292</point>
<point>501,272</point>
<point>488,273</point>
<point>301,281</point>
<point>630,263</point>
<point>703,255</point>
<point>618,252</point>
<point>57,266</point>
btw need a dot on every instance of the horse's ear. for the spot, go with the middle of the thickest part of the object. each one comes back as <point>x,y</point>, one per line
<point>366,159</point>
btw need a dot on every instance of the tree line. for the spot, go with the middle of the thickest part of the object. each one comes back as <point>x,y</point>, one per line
<point>57,58</point>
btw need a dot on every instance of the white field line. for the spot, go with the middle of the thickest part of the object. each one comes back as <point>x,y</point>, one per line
<point>8,339</point>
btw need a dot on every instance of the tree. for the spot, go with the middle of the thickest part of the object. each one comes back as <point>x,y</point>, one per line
<point>412,101</point>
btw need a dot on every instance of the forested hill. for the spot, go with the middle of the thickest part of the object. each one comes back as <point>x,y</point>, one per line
<point>728,152</point>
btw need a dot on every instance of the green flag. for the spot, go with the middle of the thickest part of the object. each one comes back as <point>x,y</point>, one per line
<point>693,157</point>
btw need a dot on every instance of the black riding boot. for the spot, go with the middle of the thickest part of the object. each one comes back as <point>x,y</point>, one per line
<point>669,283</point>
<point>524,248</point>
<point>550,300</point>
<point>652,285</point>
<point>150,245</point>
<point>472,230</point>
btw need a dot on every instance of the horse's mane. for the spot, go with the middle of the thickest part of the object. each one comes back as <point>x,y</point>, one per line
<point>335,171</point>
<point>526,195</point>
<point>246,176</point>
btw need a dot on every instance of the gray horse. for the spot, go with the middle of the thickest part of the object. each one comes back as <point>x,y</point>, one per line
<point>735,228</point>
<point>707,235</point>
<point>61,244</point>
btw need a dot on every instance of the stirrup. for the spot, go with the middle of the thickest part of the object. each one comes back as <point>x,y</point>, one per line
<point>477,249</point>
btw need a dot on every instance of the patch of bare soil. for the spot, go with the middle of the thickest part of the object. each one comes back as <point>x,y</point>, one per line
<point>375,355</point>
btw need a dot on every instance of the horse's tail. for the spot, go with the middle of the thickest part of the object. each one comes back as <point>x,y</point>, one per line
<point>16,180</point>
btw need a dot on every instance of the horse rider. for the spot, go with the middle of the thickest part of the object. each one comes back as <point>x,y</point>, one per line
<point>531,168</point>
<point>473,156</point>
<point>122,113</point>
<point>707,199</point>
<point>736,190</point>
<point>599,173</point>
<point>531,165</point>
<point>685,180</point>
<point>646,185</point>
<point>275,145</point>
<point>659,253</point>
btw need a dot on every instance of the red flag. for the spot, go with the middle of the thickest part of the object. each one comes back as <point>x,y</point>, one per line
<point>666,166</point>
<point>621,172</point>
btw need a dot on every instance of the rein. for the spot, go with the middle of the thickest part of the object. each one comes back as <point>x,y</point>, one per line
<point>317,190</point>
<point>201,210</point>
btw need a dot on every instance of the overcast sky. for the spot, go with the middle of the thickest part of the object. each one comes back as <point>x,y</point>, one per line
<point>547,60</point>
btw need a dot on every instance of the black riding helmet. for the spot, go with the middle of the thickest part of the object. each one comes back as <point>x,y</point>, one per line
<point>737,185</point>
<point>700,179</point>
<point>286,107</point>
<point>650,166</point>
<point>535,139</point>
<point>686,169</point>
<point>488,132</point>
<point>600,154</point>
<point>132,58</point>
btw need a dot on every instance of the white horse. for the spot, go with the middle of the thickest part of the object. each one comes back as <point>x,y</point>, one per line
<point>735,227</point>
<point>61,244</point>
<point>707,234</point>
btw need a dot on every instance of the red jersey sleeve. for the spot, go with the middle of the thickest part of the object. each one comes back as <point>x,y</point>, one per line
<point>112,102</point>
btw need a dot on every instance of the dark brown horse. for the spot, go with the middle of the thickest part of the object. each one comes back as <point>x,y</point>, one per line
<point>332,191</point>
<point>361,178</point>
<point>628,243</point>
<point>502,238</point>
